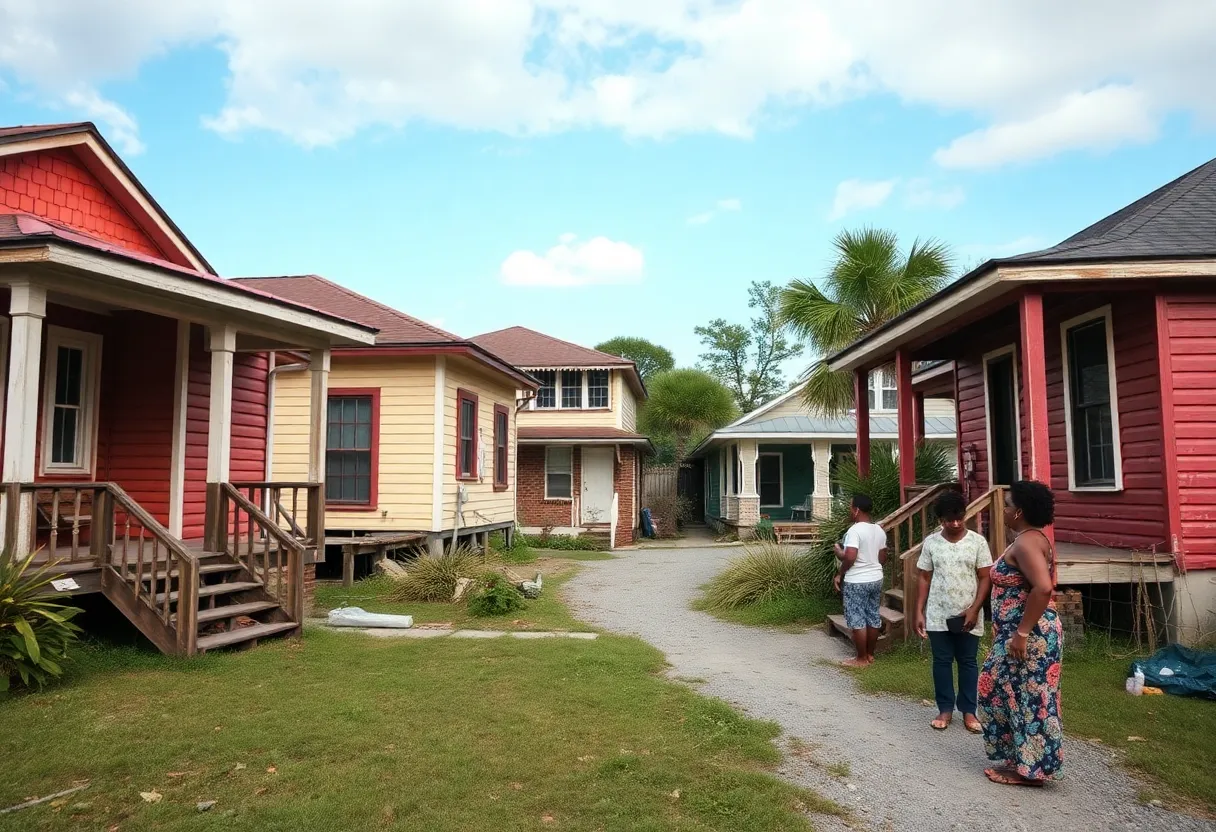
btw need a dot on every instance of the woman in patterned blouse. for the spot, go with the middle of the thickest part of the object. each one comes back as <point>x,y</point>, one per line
<point>953,568</point>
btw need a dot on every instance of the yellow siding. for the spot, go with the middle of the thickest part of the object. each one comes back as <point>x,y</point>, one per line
<point>793,406</point>
<point>484,504</point>
<point>939,407</point>
<point>629,406</point>
<point>621,411</point>
<point>407,396</point>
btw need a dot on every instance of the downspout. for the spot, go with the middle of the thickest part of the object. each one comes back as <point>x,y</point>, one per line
<point>270,376</point>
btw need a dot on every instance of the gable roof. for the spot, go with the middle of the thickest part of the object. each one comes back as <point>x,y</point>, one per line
<point>397,330</point>
<point>85,141</point>
<point>802,427</point>
<point>534,350</point>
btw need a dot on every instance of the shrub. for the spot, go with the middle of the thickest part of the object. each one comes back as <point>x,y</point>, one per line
<point>669,512</point>
<point>763,530</point>
<point>35,632</point>
<point>564,542</point>
<point>764,572</point>
<point>494,596</point>
<point>434,579</point>
<point>517,552</point>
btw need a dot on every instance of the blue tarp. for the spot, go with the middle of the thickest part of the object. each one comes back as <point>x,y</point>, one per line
<point>1181,671</point>
<point>647,525</point>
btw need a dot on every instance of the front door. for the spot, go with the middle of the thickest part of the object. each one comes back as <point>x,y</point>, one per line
<point>1002,383</point>
<point>597,484</point>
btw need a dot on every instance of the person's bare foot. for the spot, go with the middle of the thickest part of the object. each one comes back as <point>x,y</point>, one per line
<point>972,724</point>
<point>855,663</point>
<point>1009,777</point>
<point>942,722</point>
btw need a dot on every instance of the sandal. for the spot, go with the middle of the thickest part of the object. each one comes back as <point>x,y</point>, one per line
<point>1007,777</point>
<point>941,724</point>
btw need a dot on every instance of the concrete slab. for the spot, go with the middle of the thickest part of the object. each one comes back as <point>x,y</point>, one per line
<point>383,632</point>
<point>530,634</point>
<point>478,634</point>
<point>583,636</point>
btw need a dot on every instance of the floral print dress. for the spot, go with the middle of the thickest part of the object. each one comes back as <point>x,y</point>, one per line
<point>1019,701</point>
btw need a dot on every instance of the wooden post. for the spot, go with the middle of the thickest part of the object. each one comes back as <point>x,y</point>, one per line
<point>295,585</point>
<point>318,421</point>
<point>1034,389</point>
<point>1165,371</point>
<point>348,565</point>
<point>861,394</point>
<point>187,604</point>
<point>918,418</point>
<point>27,306</point>
<point>906,422</point>
<point>219,437</point>
<point>102,527</point>
<point>996,522</point>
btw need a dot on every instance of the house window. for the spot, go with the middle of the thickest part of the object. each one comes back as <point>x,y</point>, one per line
<point>597,388</point>
<point>768,479</point>
<point>559,472</point>
<point>350,447</point>
<point>1093,419</point>
<point>69,428</point>
<point>502,424</point>
<point>836,454</point>
<point>882,393</point>
<point>546,396</point>
<point>466,435</point>
<point>572,389</point>
<point>736,470</point>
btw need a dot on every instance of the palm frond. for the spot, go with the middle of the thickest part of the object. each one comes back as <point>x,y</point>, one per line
<point>866,264</point>
<point>925,272</point>
<point>814,317</point>
<point>828,392</point>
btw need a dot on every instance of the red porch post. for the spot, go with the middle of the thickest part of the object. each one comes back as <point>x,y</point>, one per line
<point>1034,388</point>
<point>905,417</point>
<point>861,394</point>
<point>918,417</point>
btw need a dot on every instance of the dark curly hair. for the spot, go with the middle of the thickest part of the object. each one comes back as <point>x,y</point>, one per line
<point>1037,503</point>
<point>950,505</point>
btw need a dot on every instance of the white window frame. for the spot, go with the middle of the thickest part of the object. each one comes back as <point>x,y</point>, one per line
<point>1116,439</point>
<point>557,391</point>
<point>780,477</point>
<point>561,388</point>
<point>587,388</point>
<point>90,375</point>
<point>1011,350</point>
<point>569,470</point>
<point>876,387</point>
<point>4,333</point>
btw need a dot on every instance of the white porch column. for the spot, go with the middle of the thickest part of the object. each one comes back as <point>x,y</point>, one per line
<point>318,412</point>
<point>177,457</point>
<point>821,497</point>
<point>749,497</point>
<point>219,436</point>
<point>27,306</point>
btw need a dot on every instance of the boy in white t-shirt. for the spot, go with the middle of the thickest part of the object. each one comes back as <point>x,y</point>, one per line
<point>860,578</point>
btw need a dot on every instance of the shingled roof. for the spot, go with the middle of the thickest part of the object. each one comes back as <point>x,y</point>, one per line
<point>1176,220</point>
<point>534,350</point>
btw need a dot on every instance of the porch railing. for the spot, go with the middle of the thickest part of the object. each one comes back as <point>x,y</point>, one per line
<point>271,554</point>
<point>296,508</point>
<point>905,528</point>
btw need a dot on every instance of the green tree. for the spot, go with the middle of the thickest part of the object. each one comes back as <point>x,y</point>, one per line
<point>650,357</point>
<point>686,405</point>
<point>747,359</point>
<point>870,282</point>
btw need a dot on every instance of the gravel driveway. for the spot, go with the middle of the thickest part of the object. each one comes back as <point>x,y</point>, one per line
<point>901,774</point>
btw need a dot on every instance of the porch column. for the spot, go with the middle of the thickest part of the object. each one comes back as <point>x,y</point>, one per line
<point>905,417</point>
<point>1034,389</point>
<point>749,497</point>
<point>821,499</point>
<point>318,422</point>
<point>27,306</point>
<point>861,394</point>
<point>918,417</point>
<point>219,434</point>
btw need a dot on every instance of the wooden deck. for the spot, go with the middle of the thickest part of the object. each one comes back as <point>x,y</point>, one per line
<point>375,545</point>
<point>1080,563</point>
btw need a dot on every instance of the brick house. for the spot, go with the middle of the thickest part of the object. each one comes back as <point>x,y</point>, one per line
<point>579,452</point>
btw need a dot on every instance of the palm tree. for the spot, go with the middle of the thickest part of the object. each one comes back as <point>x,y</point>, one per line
<point>685,404</point>
<point>870,283</point>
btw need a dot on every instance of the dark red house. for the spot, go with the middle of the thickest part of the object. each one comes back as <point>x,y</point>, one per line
<point>1091,366</point>
<point>135,401</point>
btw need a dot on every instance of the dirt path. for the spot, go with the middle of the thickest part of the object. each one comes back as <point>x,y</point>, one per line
<point>901,775</point>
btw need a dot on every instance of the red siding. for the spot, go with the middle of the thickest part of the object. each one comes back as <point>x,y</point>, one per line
<point>1136,516</point>
<point>1191,347</point>
<point>53,185</point>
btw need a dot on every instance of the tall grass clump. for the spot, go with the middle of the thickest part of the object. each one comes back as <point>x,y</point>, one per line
<point>434,579</point>
<point>764,572</point>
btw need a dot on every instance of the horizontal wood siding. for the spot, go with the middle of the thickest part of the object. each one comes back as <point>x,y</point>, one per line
<point>484,504</point>
<point>1192,350</point>
<point>198,398</point>
<point>407,396</point>
<point>713,489</point>
<point>1134,518</point>
<point>629,405</point>
<point>248,460</point>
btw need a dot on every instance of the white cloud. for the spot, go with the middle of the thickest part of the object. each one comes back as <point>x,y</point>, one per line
<point>1031,73</point>
<point>721,207</point>
<point>574,263</point>
<point>858,195</point>
<point>120,126</point>
<point>921,193</point>
<point>1102,119</point>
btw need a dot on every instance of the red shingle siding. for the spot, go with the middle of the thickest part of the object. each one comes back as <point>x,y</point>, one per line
<point>1136,516</point>
<point>532,507</point>
<point>53,185</point>
<point>1192,345</point>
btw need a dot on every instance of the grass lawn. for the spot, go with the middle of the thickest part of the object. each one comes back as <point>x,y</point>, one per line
<point>1178,734</point>
<point>795,614</point>
<point>341,731</point>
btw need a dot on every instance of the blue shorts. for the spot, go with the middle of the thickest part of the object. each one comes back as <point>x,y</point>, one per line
<point>861,603</point>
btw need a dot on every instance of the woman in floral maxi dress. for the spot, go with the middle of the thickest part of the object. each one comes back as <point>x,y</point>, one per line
<point>1019,687</point>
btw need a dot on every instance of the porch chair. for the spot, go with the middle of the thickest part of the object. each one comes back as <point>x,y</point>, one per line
<point>803,508</point>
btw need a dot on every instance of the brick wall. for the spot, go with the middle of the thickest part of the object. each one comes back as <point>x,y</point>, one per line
<point>624,476</point>
<point>1071,611</point>
<point>532,507</point>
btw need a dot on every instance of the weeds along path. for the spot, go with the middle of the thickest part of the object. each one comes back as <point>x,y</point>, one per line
<point>900,775</point>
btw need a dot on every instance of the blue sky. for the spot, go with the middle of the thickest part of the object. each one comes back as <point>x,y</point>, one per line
<point>448,203</point>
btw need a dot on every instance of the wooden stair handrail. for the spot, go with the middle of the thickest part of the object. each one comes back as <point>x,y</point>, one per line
<point>911,508</point>
<point>265,523</point>
<point>986,501</point>
<point>294,547</point>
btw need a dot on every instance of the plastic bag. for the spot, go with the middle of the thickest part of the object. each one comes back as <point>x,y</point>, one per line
<point>359,617</point>
<point>1182,671</point>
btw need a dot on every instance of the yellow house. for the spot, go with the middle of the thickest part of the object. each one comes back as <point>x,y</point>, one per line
<point>422,426</point>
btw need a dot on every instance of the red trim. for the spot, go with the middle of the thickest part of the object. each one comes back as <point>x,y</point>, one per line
<point>1034,389</point>
<point>462,396</point>
<point>958,439</point>
<point>374,492</point>
<point>905,419</point>
<point>1173,496</point>
<point>918,417</point>
<point>861,388</point>
<point>504,442</point>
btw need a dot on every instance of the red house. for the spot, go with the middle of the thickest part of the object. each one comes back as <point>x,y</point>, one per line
<point>1090,366</point>
<point>134,404</point>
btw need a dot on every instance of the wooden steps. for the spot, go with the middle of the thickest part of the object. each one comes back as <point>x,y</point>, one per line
<point>249,608</point>
<point>225,588</point>
<point>245,635</point>
<point>805,534</point>
<point>890,634</point>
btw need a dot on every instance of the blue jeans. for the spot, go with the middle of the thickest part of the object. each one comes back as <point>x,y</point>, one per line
<point>949,648</point>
